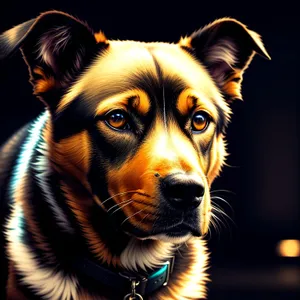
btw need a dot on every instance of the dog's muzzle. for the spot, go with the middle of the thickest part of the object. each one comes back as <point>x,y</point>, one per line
<point>179,212</point>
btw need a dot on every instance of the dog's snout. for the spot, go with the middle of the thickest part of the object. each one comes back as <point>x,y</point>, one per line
<point>182,191</point>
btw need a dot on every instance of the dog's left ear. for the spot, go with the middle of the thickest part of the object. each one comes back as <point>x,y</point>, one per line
<point>56,48</point>
<point>225,47</point>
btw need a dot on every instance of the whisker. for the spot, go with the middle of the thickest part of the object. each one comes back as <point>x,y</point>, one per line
<point>225,191</point>
<point>223,200</point>
<point>207,235</point>
<point>147,204</point>
<point>140,222</point>
<point>133,215</point>
<point>219,221</point>
<point>117,204</point>
<point>123,193</point>
<point>144,194</point>
<point>122,206</point>
<point>212,221</point>
<point>127,202</point>
<point>218,209</point>
<point>220,216</point>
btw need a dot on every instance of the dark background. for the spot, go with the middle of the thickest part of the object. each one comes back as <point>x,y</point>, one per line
<point>263,143</point>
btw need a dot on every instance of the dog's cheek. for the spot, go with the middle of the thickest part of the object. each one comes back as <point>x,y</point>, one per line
<point>205,210</point>
<point>217,158</point>
<point>135,175</point>
<point>72,155</point>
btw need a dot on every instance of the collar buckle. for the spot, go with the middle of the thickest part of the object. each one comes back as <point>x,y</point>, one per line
<point>134,283</point>
<point>138,286</point>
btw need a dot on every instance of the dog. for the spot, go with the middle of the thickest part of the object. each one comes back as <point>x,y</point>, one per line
<point>106,195</point>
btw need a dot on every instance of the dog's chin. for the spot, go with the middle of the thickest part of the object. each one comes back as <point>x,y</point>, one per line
<point>171,239</point>
<point>164,237</point>
<point>171,235</point>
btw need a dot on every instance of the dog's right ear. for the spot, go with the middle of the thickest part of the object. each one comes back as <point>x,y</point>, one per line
<point>226,48</point>
<point>56,47</point>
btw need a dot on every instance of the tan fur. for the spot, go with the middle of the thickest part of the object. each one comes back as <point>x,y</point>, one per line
<point>134,98</point>
<point>189,278</point>
<point>72,154</point>
<point>218,155</point>
<point>100,37</point>
<point>44,84</point>
<point>81,203</point>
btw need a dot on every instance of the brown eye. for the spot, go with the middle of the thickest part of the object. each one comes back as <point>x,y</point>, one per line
<point>200,121</point>
<point>118,120</point>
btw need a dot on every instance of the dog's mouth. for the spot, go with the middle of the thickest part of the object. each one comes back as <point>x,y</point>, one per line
<point>177,233</point>
<point>177,223</point>
<point>181,230</point>
<point>176,229</point>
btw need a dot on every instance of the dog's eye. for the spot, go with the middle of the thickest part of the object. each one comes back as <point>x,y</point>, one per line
<point>200,121</point>
<point>118,120</point>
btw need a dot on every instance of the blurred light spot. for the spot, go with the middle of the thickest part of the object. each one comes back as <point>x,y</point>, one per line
<point>289,248</point>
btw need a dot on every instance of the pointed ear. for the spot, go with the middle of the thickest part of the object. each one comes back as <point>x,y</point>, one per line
<point>55,46</point>
<point>225,47</point>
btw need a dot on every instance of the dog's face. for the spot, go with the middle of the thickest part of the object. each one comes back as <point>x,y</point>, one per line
<point>140,125</point>
<point>156,121</point>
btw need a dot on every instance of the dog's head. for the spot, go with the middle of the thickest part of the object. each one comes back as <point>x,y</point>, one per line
<point>139,125</point>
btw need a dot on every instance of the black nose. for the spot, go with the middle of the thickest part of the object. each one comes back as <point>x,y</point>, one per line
<point>182,191</point>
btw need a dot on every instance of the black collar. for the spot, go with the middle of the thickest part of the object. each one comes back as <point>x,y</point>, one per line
<point>132,285</point>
